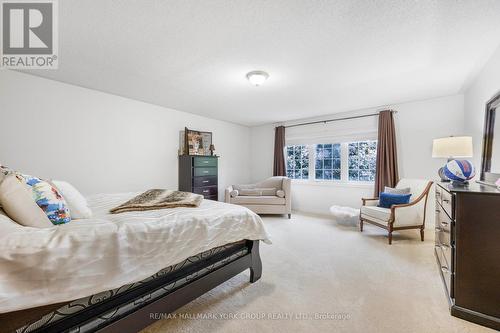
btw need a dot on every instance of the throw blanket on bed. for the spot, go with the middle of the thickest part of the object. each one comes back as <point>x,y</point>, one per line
<point>159,199</point>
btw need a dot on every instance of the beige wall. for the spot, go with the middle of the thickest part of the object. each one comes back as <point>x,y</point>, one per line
<point>484,87</point>
<point>417,123</point>
<point>102,142</point>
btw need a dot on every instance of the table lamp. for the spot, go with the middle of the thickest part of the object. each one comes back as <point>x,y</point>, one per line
<point>451,148</point>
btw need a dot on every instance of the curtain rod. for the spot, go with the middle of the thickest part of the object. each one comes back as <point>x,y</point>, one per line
<point>337,119</point>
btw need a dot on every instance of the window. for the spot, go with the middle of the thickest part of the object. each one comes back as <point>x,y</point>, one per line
<point>327,162</point>
<point>347,161</point>
<point>362,160</point>
<point>297,162</point>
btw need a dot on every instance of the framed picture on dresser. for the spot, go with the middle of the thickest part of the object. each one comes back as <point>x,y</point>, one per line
<point>194,142</point>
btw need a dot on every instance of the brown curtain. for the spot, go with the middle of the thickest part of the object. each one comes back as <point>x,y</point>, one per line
<point>387,156</point>
<point>279,146</point>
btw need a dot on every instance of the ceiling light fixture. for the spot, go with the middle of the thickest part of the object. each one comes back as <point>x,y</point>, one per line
<point>257,77</point>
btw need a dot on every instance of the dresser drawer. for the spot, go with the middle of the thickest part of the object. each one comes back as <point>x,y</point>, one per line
<point>206,191</point>
<point>204,181</point>
<point>443,221</point>
<point>202,161</point>
<point>446,253</point>
<point>205,172</point>
<point>443,237</point>
<point>446,203</point>
<point>445,270</point>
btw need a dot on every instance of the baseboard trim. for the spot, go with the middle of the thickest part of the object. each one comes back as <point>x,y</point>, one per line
<point>475,317</point>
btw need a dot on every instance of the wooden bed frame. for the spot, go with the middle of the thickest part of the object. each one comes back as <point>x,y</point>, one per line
<point>185,294</point>
<point>176,298</point>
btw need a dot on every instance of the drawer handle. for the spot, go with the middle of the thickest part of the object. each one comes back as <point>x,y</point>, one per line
<point>446,200</point>
<point>439,229</point>
<point>444,223</point>
<point>206,162</point>
<point>438,194</point>
<point>205,181</point>
<point>445,270</point>
<point>205,171</point>
<point>443,246</point>
<point>206,191</point>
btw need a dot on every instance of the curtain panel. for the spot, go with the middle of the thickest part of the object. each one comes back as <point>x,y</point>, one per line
<point>279,151</point>
<point>387,157</point>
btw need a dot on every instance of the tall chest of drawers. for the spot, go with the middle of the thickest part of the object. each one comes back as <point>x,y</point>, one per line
<point>467,249</point>
<point>199,174</point>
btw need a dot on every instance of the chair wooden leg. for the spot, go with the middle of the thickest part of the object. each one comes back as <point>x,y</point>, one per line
<point>390,234</point>
<point>361,224</point>
<point>422,234</point>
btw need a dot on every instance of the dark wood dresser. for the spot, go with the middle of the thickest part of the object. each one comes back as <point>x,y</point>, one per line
<point>198,174</point>
<point>468,250</point>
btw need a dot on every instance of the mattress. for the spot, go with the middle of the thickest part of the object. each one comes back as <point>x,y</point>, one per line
<point>86,257</point>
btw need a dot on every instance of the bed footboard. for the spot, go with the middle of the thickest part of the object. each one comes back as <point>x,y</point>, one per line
<point>256,267</point>
<point>144,316</point>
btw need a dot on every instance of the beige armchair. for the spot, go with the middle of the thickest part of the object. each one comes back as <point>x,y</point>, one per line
<point>399,217</point>
<point>271,196</point>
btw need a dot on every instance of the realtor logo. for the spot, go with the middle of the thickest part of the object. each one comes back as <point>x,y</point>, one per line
<point>29,34</point>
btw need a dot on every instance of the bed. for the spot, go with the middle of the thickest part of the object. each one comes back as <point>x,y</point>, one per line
<point>112,272</point>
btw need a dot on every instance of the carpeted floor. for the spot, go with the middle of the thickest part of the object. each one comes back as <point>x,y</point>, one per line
<point>321,276</point>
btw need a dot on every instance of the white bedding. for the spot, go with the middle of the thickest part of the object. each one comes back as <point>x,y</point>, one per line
<point>66,262</point>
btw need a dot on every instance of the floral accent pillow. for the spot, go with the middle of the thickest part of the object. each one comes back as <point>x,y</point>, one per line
<point>48,198</point>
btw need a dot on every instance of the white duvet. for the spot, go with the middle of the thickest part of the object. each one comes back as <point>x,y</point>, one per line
<point>84,257</point>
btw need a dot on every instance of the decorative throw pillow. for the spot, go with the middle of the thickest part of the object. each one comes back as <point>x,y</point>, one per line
<point>280,193</point>
<point>244,187</point>
<point>233,193</point>
<point>392,190</point>
<point>77,203</point>
<point>269,191</point>
<point>48,198</point>
<point>250,192</point>
<point>386,200</point>
<point>18,203</point>
<point>5,220</point>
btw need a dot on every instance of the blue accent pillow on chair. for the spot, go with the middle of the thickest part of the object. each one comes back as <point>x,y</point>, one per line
<point>386,200</point>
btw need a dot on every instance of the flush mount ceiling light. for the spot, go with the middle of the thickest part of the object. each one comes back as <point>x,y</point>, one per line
<point>257,78</point>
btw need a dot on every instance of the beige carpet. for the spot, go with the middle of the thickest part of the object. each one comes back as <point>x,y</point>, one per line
<point>316,266</point>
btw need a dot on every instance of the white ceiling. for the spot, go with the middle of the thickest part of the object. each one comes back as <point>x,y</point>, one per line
<point>323,56</point>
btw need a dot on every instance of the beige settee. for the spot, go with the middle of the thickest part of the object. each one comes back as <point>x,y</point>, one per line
<point>271,196</point>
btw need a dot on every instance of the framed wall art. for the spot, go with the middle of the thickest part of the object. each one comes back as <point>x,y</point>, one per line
<point>194,142</point>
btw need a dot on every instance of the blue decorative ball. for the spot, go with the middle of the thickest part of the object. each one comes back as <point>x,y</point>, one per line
<point>459,170</point>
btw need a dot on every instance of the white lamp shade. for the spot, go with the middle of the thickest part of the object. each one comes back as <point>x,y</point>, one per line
<point>452,147</point>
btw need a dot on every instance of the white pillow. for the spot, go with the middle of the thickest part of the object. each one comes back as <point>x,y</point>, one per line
<point>77,203</point>
<point>250,192</point>
<point>19,205</point>
<point>269,191</point>
<point>392,190</point>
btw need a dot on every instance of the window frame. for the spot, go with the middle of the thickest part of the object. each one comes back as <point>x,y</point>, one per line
<point>314,149</point>
<point>301,169</point>
<point>344,164</point>
<point>360,169</point>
